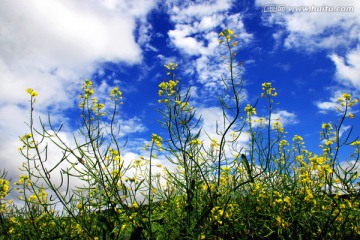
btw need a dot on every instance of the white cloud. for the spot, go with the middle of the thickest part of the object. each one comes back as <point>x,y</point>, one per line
<point>59,34</point>
<point>195,34</point>
<point>132,125</point>
<point>347,76</point>
<point>212,121</point>
<point>145,34</point>
<point>208,22</point>
<point>326,106</point>
<point>314,29</point>
<point>51,46</point>
<point>282,116</point>
<point>348,68</point>
<point>330,106</point>
<point>136,8</point>
<point>187,11</point>
<point>12,126</point>
<point>311,31</point>
<point>285,117</point>
<point>181,39</point>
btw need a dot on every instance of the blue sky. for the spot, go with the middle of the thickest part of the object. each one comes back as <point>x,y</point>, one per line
<point>52,46</point>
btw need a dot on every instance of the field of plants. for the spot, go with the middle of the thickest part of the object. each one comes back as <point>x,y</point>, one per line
<point>271,188</point>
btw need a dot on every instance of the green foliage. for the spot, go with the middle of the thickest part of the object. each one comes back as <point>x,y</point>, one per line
<point>218,187</point>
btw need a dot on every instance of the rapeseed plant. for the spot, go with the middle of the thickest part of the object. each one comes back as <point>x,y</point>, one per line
<point>271,188</point>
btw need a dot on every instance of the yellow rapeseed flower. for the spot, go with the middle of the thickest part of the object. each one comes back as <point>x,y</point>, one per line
<point>156,139</point>
<point>196,141</point>
<point>327,126</point>
<point>171,66</point>
<point>135,205</point>
<point>116,94</point>
<point>346,96</point>
<point>4,187</point>
<point>31,92</point>
<point>278,126</point>
<point>353,102</point>
<point>297,138</point>
<point>287,199</point>
<point>268,90</point>
<point>250,110</point>
<point>355,143</point>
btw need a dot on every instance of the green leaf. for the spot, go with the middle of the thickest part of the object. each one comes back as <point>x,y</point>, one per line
<point>247,166</point>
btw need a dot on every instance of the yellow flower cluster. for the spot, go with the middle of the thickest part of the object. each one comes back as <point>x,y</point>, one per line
<point>309,195</point>
<point>88,88</point>
<point>168,88</point>
<point>171,66</point>
<point>277,126</point>
<point>88,91</point>
<point>279,199</point>
<point>214,143</point>
<point>298,139</point>
<point>116,94</point>
<point>321,167</point>
<point>217,214</point>
<point>140,162</point>
<point>227,34</point>
<point>23,179</point>
<point>184,106</point>
<point>26,136</point>
<point>250,110</point>
<point>346,101</point>
<point>79,205</point>
<point>355,143</point>
<point>31,92</point>
<point>135,205</point>
<point>115,154</point>
<point>327,126</point>
<point>196,141</point>
<point>39,197</point>
<point>283,143</point>
<point>260,122</point>
<point>157,140</point>
<point>282,222</point>
<point>27,141</point>
<point>96,107</point>
<point>270,91</point>
<point>4,187</point>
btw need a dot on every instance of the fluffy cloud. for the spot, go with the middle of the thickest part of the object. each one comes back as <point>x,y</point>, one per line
<point>212,122</point>
<point>285,117</point>
<point>195,34</point>
<point>188,10</point>
<point>348,68</point>
<point>311,31</point>
<point>52,46</point>
<point>326,106</point>
<point>132,125</point>
<point>333,103</point>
